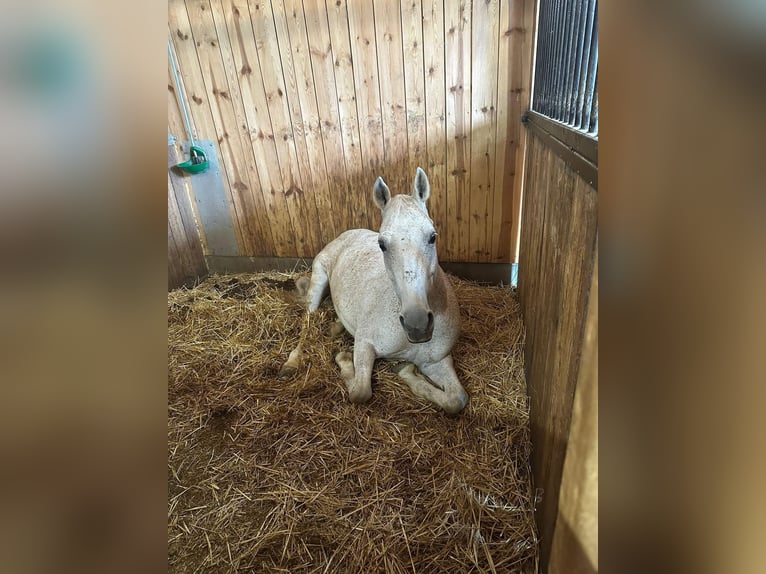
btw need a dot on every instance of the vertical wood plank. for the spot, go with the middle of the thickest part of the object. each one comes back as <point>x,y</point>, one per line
<point>183,198</point>
<point>457,39</point>
<point>506,145</point>
<point>308,187</point>
<point>323,65</point>
<point>185,259</point>
<point>361,22</point>
<point>484,47</point>
<point>257,124</point>
<point>436,119</point>
<point>182,242</point>
<point>175,272</point>
<point>359,180</point>
<point>310,122</point>
<point>262,19</point>
<point>388,37</point>
<point>414,82</point>
<point>523,52</point>
<point>176,124</point>
<point>575,540</point>
<point>198,102</point>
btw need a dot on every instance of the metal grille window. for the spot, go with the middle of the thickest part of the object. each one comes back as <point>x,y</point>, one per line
<point>566,65</point>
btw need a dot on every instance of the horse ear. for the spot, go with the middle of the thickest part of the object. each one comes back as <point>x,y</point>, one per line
<point>381,193</point>
<point>422,190</point>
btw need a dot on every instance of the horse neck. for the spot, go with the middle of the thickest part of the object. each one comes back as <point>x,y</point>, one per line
<point>437,294</point>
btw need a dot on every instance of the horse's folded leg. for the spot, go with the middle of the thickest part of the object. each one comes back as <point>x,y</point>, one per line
<point>438,384</point>
<point>453,398</point>
<point>293,362</point>
<point>356,371</point>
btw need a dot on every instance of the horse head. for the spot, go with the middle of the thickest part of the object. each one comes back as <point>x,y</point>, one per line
<point>407,240</point>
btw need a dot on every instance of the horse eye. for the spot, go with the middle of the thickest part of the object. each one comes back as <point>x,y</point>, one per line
<point>382,245</point>
<point>432,239</point>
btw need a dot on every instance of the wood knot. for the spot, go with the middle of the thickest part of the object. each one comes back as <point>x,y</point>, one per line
<point>293,190</point>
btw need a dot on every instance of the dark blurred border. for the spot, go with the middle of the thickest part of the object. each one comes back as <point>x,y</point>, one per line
<point>683,224</point>
<point>82,296</point>
<point>83,304</point>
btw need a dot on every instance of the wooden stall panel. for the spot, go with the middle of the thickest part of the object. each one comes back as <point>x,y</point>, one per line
<point>310,100</point>
<point>555,272</point>
<point>575,539</point>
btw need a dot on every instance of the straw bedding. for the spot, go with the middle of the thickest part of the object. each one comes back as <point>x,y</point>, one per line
<point>275,475</point>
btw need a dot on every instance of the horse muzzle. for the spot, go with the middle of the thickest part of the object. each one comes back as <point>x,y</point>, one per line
<point>419,326</point>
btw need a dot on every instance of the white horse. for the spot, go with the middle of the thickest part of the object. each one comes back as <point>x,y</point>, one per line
<point>391,295</point>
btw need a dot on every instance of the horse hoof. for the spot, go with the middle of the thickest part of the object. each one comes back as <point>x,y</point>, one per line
<point>360,396</point>
<point>344,358</point>
<point>403,369</point>
<point>336,329</point>
<point>286,371</point>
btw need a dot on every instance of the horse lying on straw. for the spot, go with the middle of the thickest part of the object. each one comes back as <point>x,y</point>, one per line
<point>391,295</point>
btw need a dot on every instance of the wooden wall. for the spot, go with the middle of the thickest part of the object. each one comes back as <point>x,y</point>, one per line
<point>556,266</point>
<point>185,259</point>
<point>310,100</point>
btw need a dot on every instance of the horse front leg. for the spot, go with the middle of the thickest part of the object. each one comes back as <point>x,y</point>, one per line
<point>356,371</point>
<point>443,389</point>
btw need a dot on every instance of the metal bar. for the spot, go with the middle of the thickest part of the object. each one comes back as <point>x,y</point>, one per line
<point>552,42</point>
<point>566,66</point>
<point>546,64</point>
<point>584,65</point>
<point>537,94</point>
<point>567,60</point>
<point>590,84</point>
<point>594,113</point>
<point>579,164</point>
<point>584,144</point>
<point>548,74</point>
<point>544,55</point>
<point>561,56</point>
<point>576,67</point>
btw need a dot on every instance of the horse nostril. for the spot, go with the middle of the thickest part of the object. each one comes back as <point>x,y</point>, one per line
<point>401,320</point>
<point>430,320</point>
